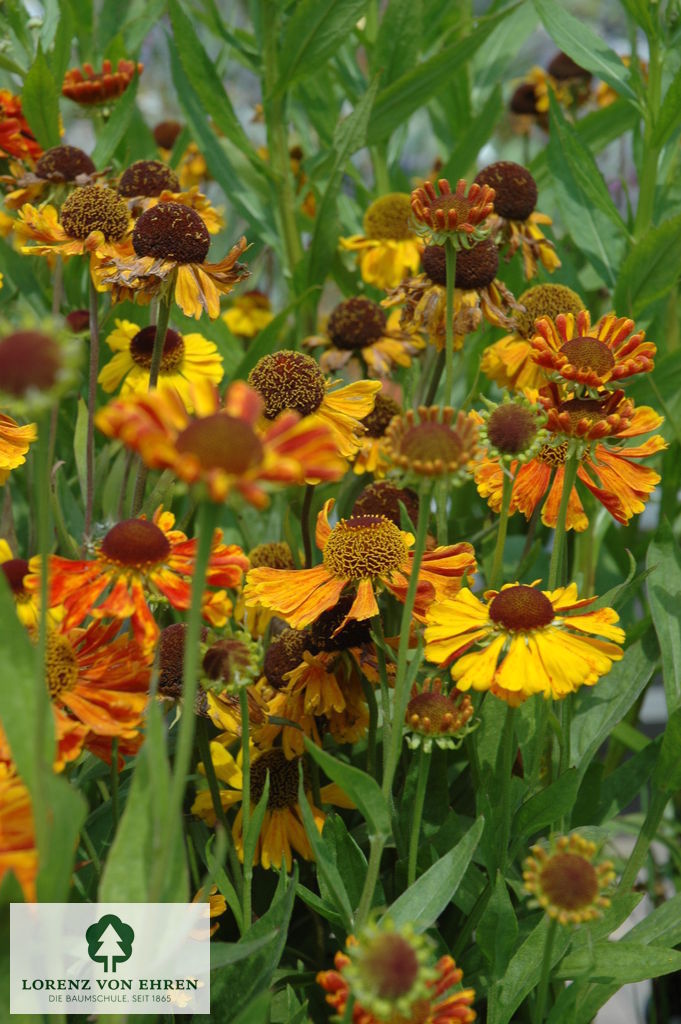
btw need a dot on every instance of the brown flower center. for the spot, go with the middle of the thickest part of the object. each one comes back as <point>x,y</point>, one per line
<point>284,654</point>
<point>354,634</point>
<point>436,713</point>
<point>578,409</point>
<point>430,441</point>
<point>63,163</point>
<point>377,421</point>
<point>228,659</point>
<point>589,354</point>
<point>288,380</point>
<point>78,320</point>
<point>553,455</point>
<point>29,361</point>
<point>166,132</point>
<point>389,217</point>
<point>390,967</point>
<point>524,99</point>
<point>283,779</point>
<point>450,201</point>
<point>383,498</point>
<point>148,178</point>
<point>171,659</point>
<point>563,68</point>
<point>511,428</point>
<point>61,666</point>
<point>521,608</point>
<point>93,208</point>
<point>515,188</point>
<point>274,555</point>
<point>356,323</point>
<point>142,347</point>
<point>569,881</point>
<point>222,442</point>
<point>364,546</point>
<point>15,569</point>
<point>135,543</point>
<point>545,300</point>
<point>171,231</point>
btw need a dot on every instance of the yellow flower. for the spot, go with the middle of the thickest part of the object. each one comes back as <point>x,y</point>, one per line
<point>566,882</point>
<point>93,221</point>
<point>248,314</point>
<point>388,250</point>
<point>358,326</point>
<point>14,443</point>
<point>186,358</point>
<point>521,641</point>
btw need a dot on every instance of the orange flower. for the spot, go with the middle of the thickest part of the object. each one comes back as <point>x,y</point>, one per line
<point>98,677</point>
<point>460,212</point>
<point>18,852</point>
<point>359,553</point>
<point>221,446</point>
<point>169,246</point>
<point>89,87</point>
<point>16,137</point>
<point>591,356</point>
<point>137,558</point>
<point>610,471</point>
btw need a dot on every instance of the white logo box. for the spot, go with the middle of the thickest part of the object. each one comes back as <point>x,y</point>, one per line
<point>139,958</point>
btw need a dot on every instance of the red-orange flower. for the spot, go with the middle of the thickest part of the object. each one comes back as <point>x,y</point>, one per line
<point>16,137</point>
<point>221,445</point>
<point>592,356</point>
<point>18,851</point>
<point>359,553</point>
<point>460,211</point>
<point>139,560</point>
<point>90,87</point>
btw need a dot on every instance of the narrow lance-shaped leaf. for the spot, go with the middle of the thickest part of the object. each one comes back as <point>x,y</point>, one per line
<point>40,102</point>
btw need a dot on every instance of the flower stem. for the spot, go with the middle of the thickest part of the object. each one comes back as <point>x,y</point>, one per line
<point>441,507</point>
<point>91,406</point>
<point>376,845</point>
<point>647,178</point>
<point>162,318</point>
<point>206,519</point>
<point>545,975</point>
<point>435,379</point>
<point>401,695</point>
<point>450,264</point>
<point>645,837</point>
<point>556,566</point>
<point>417,813</point>
<point>497,565</point>
<point>203,744</point>
<point>114,783</point>
<point>44,728</point>
<point>246,803</point>
<point>306,525</point>
<point>505,764</point>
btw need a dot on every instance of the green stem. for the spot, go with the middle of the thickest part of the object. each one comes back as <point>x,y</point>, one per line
<point>505,769</point>
<point>498,562</point>
<point>376,845</point>
<point>89,848</point>
<point>545,975</point>
<point>556,566</point>
<point>44,727</point>
<point>114,782</point>
<point>417,813</point>
<point>91,409</point>
<point>163,316</point>
<point>441,510</point>
<point>401,695</point>
<point>380,166</point>
<point>349,1007</point>
<point>435,379</point>
<point>645,837</point>
<point>450,262</point>
<point>206,519</point>
<point>246,802</point>
<point>306,524</point>
<point>370,697</point>
<point>651,154</point>
<point>203,743</point>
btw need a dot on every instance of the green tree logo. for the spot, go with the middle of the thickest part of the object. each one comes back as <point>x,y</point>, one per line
<point>109,942</point>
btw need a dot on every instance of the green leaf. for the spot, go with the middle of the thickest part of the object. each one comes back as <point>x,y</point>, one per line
<point>255,822</point>
<point>641,12</point>
<point>411,91</point>
<point>422,903</point>
<point>128,872</point>
<point>629,778</point>
<point>362,789</point>
<point>312,34</point>
<point>667,774</point>
<point>256,1012</point>
<point>60,56</point>
<point>116,127</point>
<point>80,445</point>
<point>497,933</point>
<point>523,971</point>
<point>586,207</point>
<point>624,962</point>
<point>662,926</point>
<point>664,597</point>
<point>224,953</point>
<point>398,41</point>
<point>470,142</point>
<point>67,812</point>
<point>350,135</point>
<point>236,984</point>
<point>579,41</point>
<point>548,805</point>
<point>326,869</point>
<point>40,102</point>
<point>350,861</point>
<point>598,709</point>
<point>19,703</point>
<point>650,269</point>
<point>669,115</point>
